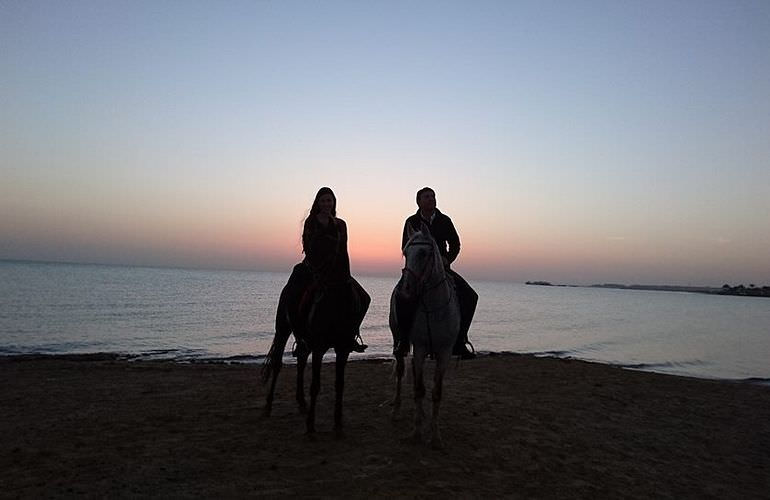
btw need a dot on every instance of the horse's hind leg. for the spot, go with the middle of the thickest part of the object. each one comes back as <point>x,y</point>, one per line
<point>399,371</point>
<point>339,389</point>
<point>442,362</point>
<point>302,355</point>
<point>315,387</point>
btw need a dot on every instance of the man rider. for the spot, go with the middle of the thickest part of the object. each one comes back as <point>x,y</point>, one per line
<point>443,231</point>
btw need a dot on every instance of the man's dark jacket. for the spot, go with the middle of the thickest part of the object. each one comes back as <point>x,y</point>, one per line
<point>442,230</point>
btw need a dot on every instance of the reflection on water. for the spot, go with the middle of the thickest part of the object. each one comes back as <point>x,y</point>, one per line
<point>189,314</point>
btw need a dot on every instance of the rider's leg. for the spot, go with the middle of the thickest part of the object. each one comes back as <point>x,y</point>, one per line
<point>468,298</point>
<point>361,301</point>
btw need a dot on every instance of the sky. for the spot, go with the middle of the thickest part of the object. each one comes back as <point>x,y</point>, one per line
<point>575,142</point>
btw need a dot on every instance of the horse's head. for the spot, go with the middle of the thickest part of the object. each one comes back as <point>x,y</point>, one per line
<point>423,260</point>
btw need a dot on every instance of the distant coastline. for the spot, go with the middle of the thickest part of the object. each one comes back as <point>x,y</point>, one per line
<point>740,290</point>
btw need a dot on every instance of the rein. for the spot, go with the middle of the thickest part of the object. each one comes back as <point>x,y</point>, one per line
<point>419,276</point>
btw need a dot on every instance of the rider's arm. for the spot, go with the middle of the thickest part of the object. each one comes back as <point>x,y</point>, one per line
<point>344,247</point>
<point>454,241</point>
<point>312,257</point>
<point>405,236</point>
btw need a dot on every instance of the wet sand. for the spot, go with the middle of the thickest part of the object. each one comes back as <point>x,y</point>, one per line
<point>513,426</point>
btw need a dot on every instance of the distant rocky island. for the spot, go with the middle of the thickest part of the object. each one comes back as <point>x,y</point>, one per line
<point>749,291</point>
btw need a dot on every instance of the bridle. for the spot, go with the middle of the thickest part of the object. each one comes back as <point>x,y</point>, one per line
<point>423,280</point>
<point>426,273</point>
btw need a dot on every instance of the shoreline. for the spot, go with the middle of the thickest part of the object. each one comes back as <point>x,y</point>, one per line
<point>513,425</point>
<point>329,359</point>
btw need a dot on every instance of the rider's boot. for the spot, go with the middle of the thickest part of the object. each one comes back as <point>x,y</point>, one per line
<point>462,343</point>
<point>461,349</point>
<point>468,299</point>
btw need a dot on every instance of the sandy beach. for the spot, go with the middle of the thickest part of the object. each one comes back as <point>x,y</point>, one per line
<point>514,426</point>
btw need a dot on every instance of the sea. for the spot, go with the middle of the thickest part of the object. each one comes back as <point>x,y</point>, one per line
<point>197,315</point>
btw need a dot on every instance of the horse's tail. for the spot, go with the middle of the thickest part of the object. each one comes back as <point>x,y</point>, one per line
<point>273,360</point>
<point>269,364</point>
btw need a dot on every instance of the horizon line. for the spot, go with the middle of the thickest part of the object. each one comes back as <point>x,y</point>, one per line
<point>368,275</point>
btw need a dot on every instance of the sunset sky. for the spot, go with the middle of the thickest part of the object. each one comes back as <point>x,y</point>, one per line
<point>575,142</point>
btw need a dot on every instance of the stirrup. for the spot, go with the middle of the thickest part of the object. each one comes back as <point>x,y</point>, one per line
<point>358,344</point>
<point>463,351</point>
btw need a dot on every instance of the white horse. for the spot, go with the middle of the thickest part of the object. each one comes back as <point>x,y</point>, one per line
<point>434,328</point>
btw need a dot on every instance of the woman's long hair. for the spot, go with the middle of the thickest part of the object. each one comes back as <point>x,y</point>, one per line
<point>314,209</point>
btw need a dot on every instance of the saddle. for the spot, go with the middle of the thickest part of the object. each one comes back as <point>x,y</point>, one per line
<point>312,295</point>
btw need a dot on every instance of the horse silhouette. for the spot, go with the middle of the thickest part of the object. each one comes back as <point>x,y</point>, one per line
<point>329,319</point>
<point>434,328</point>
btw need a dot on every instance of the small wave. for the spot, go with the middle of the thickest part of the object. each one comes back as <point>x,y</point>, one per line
<point>592,347</point>
<point>169,355</point>
<point>555,354</point>
<point>5,351</point>
<point>577,353</point>
<point>662,365</point>
<point>243,358</point>
<point>757,380</point>
<point>52,348</point>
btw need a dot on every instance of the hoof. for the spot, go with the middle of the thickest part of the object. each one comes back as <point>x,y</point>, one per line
<point>265,413</point>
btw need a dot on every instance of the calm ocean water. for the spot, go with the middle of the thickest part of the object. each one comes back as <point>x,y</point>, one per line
<point>191,314</point>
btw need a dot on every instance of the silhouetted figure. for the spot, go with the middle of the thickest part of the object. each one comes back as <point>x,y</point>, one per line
<point>434,328</point>
<point>443,231</point>
<point>321,304</point>
<point>326,264</point>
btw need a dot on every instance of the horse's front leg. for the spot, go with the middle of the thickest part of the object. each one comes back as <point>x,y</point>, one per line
<point>302,355</point>
<point>399,370</point>
<point>339,389</point>
<point>442,362</point>
<point>418,365</point>
<point>315,387</point>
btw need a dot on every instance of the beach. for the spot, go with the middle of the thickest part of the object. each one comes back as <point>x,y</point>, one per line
<point>513,425</point>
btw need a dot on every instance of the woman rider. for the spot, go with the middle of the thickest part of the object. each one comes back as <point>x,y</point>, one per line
<point>326,264</point>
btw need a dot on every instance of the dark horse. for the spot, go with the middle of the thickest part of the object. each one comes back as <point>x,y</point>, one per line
<point>328,318</point>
